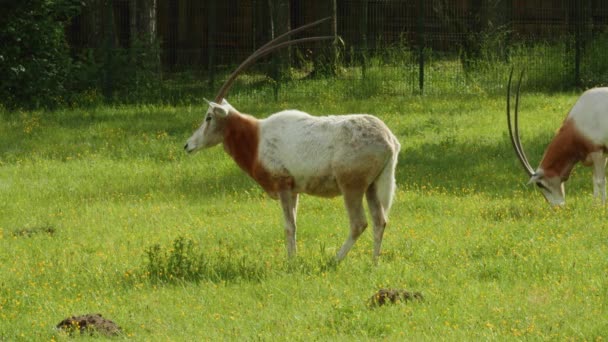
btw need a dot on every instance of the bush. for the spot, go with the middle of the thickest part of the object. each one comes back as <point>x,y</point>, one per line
<point>34,55</point>
<point>185,261</point>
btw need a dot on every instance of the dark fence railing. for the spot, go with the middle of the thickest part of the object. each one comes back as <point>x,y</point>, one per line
<point>401,46</point>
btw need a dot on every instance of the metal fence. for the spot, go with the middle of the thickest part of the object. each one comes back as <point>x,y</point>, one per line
<point>400,46</point>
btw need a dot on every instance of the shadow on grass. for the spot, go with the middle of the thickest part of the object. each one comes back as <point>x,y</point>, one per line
<point>492,169</point>
<point>448,164</point>
<point>457,167</point>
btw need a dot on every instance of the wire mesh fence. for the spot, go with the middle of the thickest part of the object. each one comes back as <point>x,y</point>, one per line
<point>384,46</point>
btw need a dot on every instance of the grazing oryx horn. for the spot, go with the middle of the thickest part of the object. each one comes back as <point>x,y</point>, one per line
<point>515,140</point>
<point>268,48</point>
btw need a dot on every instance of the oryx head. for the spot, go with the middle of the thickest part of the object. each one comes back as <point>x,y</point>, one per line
<point>550,185</point>
<point>210,133</point>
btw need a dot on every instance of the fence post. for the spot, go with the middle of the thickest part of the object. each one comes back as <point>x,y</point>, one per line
<point>335,55</point>
<point>421,45</point>
<point>109,50</point>
<point>211,33</point>
<point>578,18</point>
<point>361,27</point>
<point>275,73</point>
<point>510,28</point>
<point>279,23</point>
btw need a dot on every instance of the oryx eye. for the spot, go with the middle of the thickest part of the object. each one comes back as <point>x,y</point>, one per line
<point>208,118</point>
<point>541,185</point>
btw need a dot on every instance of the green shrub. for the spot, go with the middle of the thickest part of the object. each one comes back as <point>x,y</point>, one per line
<point>185,262</point>
<point>34,56</point>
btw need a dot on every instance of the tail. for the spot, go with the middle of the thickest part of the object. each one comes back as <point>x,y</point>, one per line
<point>385,183</point>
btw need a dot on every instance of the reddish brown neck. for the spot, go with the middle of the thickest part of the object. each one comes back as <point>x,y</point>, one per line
<point>241,138</point>
<point>566,149</point>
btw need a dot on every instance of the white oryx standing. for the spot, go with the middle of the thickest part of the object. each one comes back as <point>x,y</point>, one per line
<point>292,152</point>
<point>582,137</point>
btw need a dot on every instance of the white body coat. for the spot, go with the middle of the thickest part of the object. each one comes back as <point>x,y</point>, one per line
<point>315,151</point>
<point>590,115</point>
<point>292,152</point>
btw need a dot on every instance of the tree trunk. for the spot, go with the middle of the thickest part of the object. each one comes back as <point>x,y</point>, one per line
<point>132,29</point>
<point>361,15</point>
<point>93,23</point>
<point>147,20</point>
<point>142,32</point>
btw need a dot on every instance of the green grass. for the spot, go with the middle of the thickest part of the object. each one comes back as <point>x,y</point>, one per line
<point>87,195</point>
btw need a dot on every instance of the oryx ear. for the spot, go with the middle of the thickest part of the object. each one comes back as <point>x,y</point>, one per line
<point>218,110</point>
<point>538,175</point>
<point>228,105</point>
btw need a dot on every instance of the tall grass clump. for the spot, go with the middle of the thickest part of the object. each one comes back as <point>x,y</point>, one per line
<point>184,261</point>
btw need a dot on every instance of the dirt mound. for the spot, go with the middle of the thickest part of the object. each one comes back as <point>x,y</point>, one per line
<point>91,323</point>
<point>392,296</point>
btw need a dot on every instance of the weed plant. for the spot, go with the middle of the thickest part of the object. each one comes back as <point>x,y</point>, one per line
<point>186,262</point>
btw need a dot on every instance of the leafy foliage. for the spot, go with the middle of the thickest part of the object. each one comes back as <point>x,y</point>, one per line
<point>41,71</point>
<point>34,56</point>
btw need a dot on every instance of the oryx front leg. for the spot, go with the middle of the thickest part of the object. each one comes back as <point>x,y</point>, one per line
<point>289,203</point>
<point>354,205</point>
<point>599,175</point>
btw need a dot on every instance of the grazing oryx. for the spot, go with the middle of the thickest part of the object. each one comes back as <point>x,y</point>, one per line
<point>582,137</point>
<point>292,152</point>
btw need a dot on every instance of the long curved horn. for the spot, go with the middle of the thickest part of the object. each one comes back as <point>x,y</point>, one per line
<point>521,148</point>
<point>268,48</point>
<point>289,33</point>
<point>515,140</point>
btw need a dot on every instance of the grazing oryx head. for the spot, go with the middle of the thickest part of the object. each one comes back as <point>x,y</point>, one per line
<point>580,138</point>
<point>210,133</point>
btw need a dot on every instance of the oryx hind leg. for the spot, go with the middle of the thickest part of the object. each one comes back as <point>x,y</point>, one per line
<point>353,200</point>
<point>378,218</point>
<point>289,203</point>
<point>598,159</point>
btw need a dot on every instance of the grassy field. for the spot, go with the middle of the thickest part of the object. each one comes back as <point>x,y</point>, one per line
<point>102,212</point>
